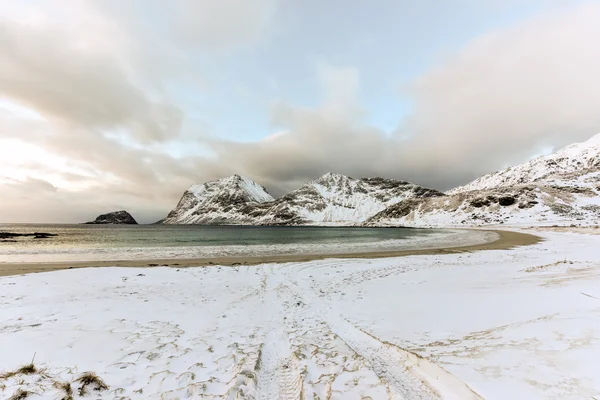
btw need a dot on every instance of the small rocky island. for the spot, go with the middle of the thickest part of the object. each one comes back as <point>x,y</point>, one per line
<point>10,236</point>
<point>116,217</point>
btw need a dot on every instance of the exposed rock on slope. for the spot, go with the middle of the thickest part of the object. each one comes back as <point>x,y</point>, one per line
<point>562,188</point>
<point>223,201</point>
<point>334,199</point>
<point>516,205</point>
<point>116,217</point>
<point>331,199</point>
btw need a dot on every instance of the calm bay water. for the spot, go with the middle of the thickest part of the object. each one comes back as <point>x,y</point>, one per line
<point>126,242</point>
<point>196,235</point>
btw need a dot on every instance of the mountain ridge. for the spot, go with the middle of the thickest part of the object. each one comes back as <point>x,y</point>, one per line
<point>328,199</point>
<point>563,188</point>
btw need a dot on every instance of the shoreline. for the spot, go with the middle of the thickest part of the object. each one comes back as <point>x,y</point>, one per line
<point>506,240</point>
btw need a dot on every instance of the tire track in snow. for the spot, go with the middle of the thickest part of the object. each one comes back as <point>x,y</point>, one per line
<point>408,375</point>
<point>278,376</point>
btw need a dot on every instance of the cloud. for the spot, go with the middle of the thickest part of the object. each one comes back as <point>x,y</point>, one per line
<point>96,80</point>
<point>330,137</point>
<point>72,73</point>
<point>220,23</point>
<point>91,84</point>
<point>30,187</point>
<point>508,94</point>
<point>96,66</point>
<point>501,99</point>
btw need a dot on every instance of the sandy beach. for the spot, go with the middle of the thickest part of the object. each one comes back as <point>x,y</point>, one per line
<point>504,240</point>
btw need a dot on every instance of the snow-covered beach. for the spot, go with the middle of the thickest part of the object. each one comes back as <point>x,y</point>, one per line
<point>522,323</point>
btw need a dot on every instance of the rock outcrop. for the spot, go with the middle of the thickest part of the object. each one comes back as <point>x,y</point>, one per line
<point>116,217</point>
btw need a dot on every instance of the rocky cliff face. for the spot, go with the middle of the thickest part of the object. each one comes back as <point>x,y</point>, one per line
<point>116,217</point>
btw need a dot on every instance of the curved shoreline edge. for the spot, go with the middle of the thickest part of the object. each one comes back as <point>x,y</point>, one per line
<point>505,240</point>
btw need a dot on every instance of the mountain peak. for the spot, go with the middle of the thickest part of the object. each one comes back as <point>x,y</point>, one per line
<point>220,201</point>
<point>329,176</point>
<point>237,183</point>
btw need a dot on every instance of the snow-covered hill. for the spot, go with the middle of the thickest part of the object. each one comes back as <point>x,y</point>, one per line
<point>332,199</point>
<point>218,202</point>
<point>576,159</point>
<point>559,189</point>
<point>517,205</point>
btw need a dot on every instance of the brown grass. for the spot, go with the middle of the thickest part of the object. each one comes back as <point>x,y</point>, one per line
<point>89,380</point>
<point>28,369</point>
<point>20,394</point>
<point>67,388</point>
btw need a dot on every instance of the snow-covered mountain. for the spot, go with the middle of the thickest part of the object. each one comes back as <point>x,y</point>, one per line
<point>332,199</point>
<point>562,188</point>
<point>218,202</point>
<point>576,159</point>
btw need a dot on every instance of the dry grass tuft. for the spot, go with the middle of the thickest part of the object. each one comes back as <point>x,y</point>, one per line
<point>24,370</point>
<point>90,380</point>
<point>27,369</point>
<point>20,394</point>
<point>67,388</point>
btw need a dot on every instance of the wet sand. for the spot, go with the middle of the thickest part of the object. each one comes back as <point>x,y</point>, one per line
<point>505,240</point>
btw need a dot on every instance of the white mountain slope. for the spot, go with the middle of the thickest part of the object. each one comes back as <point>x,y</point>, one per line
<point>576,159</point>
<point>218,202</point>
<point>559,189</point>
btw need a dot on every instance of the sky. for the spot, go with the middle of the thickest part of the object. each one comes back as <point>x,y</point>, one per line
<point>109,105</point>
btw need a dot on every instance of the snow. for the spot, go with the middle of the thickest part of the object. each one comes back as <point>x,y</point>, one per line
<point>521,323</point>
